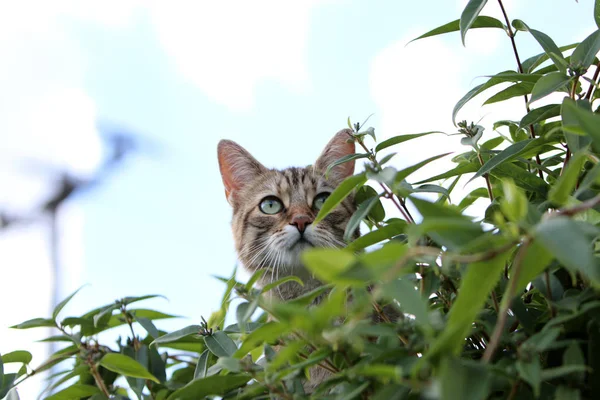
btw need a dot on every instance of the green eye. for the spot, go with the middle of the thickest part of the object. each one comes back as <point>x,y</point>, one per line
<point>319,200</point>
<point>270,205</point>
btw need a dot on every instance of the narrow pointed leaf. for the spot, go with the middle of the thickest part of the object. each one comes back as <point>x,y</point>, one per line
<point>481,21</point>
<point>378,235</point>
<point>403,174</point>
<point>210,385</point>
<point>508,154</point>
<point>584,54</point>
<point>469,15</point>
<point>459,170</point>
<point>547,44</point>
<point>178,334</point>
<point>518,89</point>
<point>361,212</point>
<point>540,114</point>
<point>339,194</point>
<point>202,365</point>
<point>63,303</point>
<point>126,366</point>
<point>220,344</point>
<point>76,391</point>
<point>580,121</point>
<point>565,239</point>
<point>549,84</point>
<point>562,189</point>
<point>345,159</point>
<point>401,139</point>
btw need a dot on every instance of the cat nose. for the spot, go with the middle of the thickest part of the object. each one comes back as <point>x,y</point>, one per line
<point>301,222</point>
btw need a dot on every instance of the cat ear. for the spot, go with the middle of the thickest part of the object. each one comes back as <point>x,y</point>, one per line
<point>237,166</point>
<point>342,144</point>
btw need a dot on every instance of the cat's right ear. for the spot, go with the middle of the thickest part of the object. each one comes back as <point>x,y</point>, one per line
<point>237,166</point>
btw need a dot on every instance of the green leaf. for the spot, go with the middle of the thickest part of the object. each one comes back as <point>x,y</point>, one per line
<point>459,170</point>
<point>521,177</point>
<point>266,333</point>
<point>1,372</point>
<point>553,373</point>
<point>35,323</point>
<point>345,159</point>
<point>492,143</point>
<point>597,12</point>
<point>550,48</point>
<point>378,235</point>
<point>134,299</point>
<point>514,202</point>
<point>411,301</point>
<point>511,152</point>
<point>339,194</point>
<point>559,193</point>
<point>363,194</point>
<point>581,121</point>
<point>19,356</point>
<point>454,26</point>
<point>549,84</point>
<point>281,281</point>
<point>568,243</point>
<point>540,114</point>
<point>401,139</point>
<point>574,356</point>
<point>478,281</point>
<point>63,303</point>
<point>147,325</point>
<point>202,365</point>
<point>220,344</point>
<point>244,311</point>
<point>326,263</point>
<point>468,16</point>
<point>461,379</point>
<point>178,334</point>
<point>518,89</point>
<point>506,76</point>
<point>535,261</point>
<point>446,225</point>
<point>210,385</point>
<point>76,391</point>
<point>531,373</point>
<point>584,54</point>
<point>361,212</point>
<point>126,366</point>
<point>403,174</point>
<point>532,63</point>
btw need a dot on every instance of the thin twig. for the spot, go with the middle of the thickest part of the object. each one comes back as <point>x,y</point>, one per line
<point>98,378</point>
<point>511,35</point>
<point>487,179</point>
<point>502,315</point>
<point>590,90</point>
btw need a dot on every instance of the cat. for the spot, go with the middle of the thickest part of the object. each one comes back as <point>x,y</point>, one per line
<point>274,211</point>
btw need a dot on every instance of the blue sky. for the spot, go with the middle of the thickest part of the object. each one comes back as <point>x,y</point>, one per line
<point>278,77</point>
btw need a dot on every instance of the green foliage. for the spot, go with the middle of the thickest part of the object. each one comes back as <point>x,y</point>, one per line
<point>503,305</point>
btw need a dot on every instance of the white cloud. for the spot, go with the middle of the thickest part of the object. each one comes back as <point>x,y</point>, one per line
<point>227,48</point>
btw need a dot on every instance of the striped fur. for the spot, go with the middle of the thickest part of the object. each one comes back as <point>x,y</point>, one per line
<point>273,242</point>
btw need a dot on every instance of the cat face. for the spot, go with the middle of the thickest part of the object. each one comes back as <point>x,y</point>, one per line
<point>274,210</point>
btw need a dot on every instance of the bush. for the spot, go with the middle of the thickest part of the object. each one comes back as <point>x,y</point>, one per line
<point>502,306</point>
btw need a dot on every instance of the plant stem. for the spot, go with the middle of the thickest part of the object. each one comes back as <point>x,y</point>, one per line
<point>511,35</point>
<point>487,179</point>
<point>98,378</point>
<point>502,315</point>
<point>588,95</point>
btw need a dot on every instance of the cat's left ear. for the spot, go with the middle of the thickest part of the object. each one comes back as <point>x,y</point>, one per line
<point>341,145</point>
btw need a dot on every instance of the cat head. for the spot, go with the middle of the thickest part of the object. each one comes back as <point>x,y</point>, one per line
<point>274,210</point>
